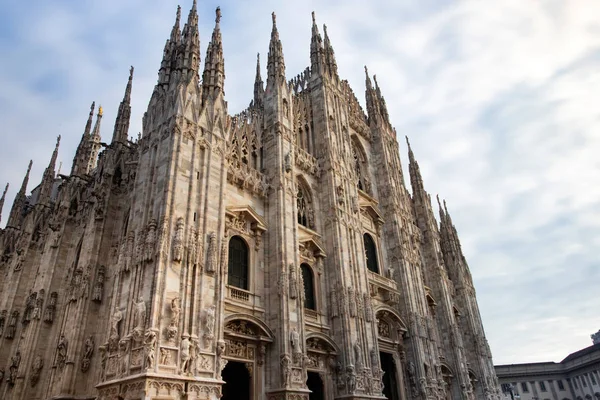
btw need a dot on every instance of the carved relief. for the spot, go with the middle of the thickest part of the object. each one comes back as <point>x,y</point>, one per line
<point>178,240</point>
<point>220,361</point>
<point>209,324</point>
<point>99,284</point>
<point>61,351</point>
<point>114,336</point>
<point>88,351</point>
<point>293,282</point>
<point>36,370</point>
<point>352,302</point>
<point>193,246</point>
<point>51,308</point>
<point>286,370</point>
<point>149,348</point>
<point>12,325</point>
<point>173,327</point>
<point>13,368</point>
<point>3,316</point>
<point>150,242</point>
<point>212,255</point>
<point>185,355</point>
<point>368,307</point>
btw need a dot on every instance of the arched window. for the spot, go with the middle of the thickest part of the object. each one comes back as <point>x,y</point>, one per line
<point>304,206</point>
<point>371,253</point>
<point>309,287</point>
<point>238,263</point>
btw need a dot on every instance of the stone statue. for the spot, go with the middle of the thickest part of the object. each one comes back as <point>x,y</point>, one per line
<point>165,357</point>
<point>113,341</point>
<point>99,285</point>
<point>211,264</point>
<point>36,369</point>
<point>103,358</point>
<point>210,320</point>
<point>185,355</point>
<point>150,348</point>
<point>374,361</point>
<point>150,242</point>
<point>351,302</point>
<point>37,310</point>
<point>350,379</point>
<point>88,351</point>
<point>293,282</point>
<point>140,314</point>
<point>286,370</point>
<point>358,356</point>
<point>13,368</point>
<point>368,307</point>
<point>175,311</point>
<point>295,339</point>
<point>123,356</point>
<point>61,351</point>
<point>3,316</point>
<point>51,308</point>
<point>178,240</point>
<point>220,361</point>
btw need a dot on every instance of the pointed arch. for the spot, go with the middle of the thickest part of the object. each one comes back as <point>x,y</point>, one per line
<point>371,253</point>
<point>238,263</point>
<point>360,165</point>
<point>308,278</point>
<point>392,315</point>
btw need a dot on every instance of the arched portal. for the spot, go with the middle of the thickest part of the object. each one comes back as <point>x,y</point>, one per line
<point>315,385</point>
<point>390,381</point>
<point>237,382</point>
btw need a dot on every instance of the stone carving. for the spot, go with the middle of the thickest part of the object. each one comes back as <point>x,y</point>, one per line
<point>165,356</point>
<point>262,351</point>
<point>51,308</point>
<point>351,302</point>
<point>99,284</point>
<point>296,346</point>
<point>350,379</point>
<point>374,361</point>
<point>178,240</point>
<point>39,305</point>
<point>88,351</point>
<point>193,246</point>
<point>1,375</point>
<point>209,325</point>
<point>212,255</point>
<point>360,311</point>
<point>149,348</point>
<point>185,354</point>
<point>36,370</point>
<point>113,339</point>
<point>286,370</point>
<point>383,329</point>
<point>358,356</point>
<point>103,358</point>
<point>123,356</point>
<point>293,282</point>
<point>172,329</point>
<point>61,351</point>
<point>12,325</point>
<point>194,354</point>
<point>220,361</point>
<point>29,306</point>
<point>150,242</point>
<point>140,315</point>
<point>13,368</point>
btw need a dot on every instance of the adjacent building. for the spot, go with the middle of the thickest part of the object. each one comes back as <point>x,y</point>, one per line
<point>577,377</point>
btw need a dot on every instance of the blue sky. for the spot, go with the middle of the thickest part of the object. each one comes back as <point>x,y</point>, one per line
<point>499,100</point>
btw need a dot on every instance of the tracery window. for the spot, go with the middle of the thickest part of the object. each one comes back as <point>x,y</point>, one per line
<point>309,287</point>
<point>371,253</point>
<point>238,263</point>
<point>305,212</point>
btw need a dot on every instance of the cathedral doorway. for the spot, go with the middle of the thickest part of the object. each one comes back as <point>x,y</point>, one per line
<point>315,385</point>
<point>390,384</point>
<point>237,382</point>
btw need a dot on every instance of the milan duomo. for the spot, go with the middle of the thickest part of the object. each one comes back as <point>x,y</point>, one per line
<point>274,254</point>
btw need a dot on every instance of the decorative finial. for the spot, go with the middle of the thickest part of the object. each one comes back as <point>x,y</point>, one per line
<point>274,17</point>
<point>218,15</point>
<point>313,18</point>
<point>131,72</point>
<point>366,70</point>
<point>100,111</point>
<point>178,15</point>
<point>57,141</point>
<point>325,29</point>
<point>92,107</point>
<point>258,58</point>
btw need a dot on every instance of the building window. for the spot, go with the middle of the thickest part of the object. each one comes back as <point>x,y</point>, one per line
<point>543,386</point>
<point>524,387</point>
<point>593,378</point>
<point>306,215</point>
<point>238,263</point>
<point>560,385</point>
<point>309,287</point>
<point>583,382</point>
<point>371,253</point>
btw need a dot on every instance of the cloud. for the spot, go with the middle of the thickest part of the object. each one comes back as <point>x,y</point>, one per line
<point>497,99</point>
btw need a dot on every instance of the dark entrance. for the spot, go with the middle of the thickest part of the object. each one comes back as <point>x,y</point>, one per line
<point>315,384</point>
<point>237,382</point>
<point>390,384</point>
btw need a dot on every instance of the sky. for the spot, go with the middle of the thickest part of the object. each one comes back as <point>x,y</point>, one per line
<point>499,100</point>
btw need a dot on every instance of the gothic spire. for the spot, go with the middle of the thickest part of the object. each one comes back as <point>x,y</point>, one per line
<point>190,46</point>
<point>94,144</point>
<point>14,219</point>
<point>78,160</point>
<point>49,176</point>
<point>168,61</point>
<point>275,62</point>
<point>2,200</point>
<point>382,104</point>
<point>259,90</point>
<point>214,66</point>
<point>329,54</point>
<point>416,180</point>
<point>122,122</point>
<point>370,96</point>
<point>316,48</point>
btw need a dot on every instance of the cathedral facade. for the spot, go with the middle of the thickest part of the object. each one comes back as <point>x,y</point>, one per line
<point>274,254</point>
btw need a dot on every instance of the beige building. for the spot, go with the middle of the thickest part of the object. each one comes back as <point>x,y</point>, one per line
<point>577,377</point>
<point>273,254</point>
